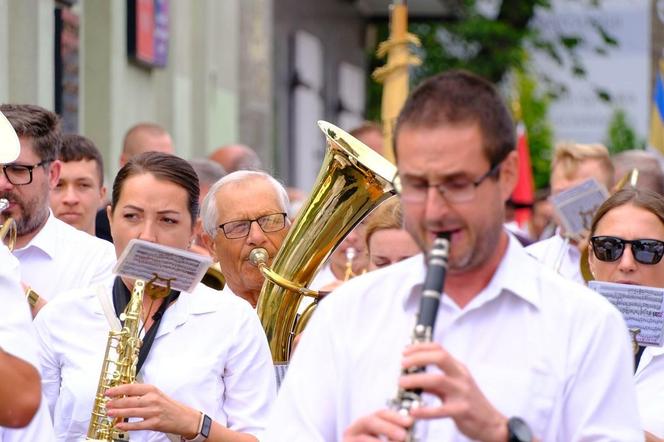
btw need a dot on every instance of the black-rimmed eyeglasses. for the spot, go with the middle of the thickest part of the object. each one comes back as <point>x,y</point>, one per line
<point>21,174</point>
<point>611,248</point>
<point>241,228</point>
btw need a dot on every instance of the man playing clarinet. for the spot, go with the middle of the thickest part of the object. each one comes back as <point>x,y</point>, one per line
<point>517,352</point>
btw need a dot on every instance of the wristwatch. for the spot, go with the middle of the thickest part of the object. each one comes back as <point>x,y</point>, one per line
<point>518,430</point>
<point>32,296</point>
<point>204,427</point>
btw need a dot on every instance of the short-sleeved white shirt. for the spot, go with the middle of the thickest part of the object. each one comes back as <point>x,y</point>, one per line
<point>210,353</point>
<point>649,378</point>
<point>538,346</point>
<point>562,258</point>
<point>17,337</point>
<point>61,257</point>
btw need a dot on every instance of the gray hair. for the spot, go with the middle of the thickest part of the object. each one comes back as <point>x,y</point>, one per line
<point>209,213</point>
<point>208,171</point>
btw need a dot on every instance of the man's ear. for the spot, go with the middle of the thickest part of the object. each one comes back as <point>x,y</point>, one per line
<point>102,193</point>
<point>209,244</point>
<point>54,173</point>
<point>509,174</point>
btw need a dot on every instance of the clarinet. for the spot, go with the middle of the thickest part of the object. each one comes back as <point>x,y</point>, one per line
<point>434,282</point>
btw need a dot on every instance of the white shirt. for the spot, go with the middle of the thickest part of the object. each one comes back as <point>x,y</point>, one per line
<point>539,347</point>
<point>323,278</point>
<point>210,353</point>
<point>553,252</point>
<point>17,337</point>
<point>61,257</point>
<point>649,379</point>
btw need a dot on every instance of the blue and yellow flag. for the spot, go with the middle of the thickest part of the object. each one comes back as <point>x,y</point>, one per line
<point>656,139</point>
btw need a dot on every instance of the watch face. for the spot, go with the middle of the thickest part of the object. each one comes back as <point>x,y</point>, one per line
<point>207,424</point>
<point>519,431</point>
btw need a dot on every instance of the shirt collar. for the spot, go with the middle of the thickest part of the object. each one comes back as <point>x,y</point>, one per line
<point>508,278</point>
<point>46,239</point>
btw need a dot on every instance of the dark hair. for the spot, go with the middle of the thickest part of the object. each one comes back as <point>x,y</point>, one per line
<point>642,198</point>
<point>79,148</point>
<point>37,123</point>
<point>458,97</point>
<point>164,167</point>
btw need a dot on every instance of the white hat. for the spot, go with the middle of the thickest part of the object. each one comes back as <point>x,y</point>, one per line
<point>9,144</point>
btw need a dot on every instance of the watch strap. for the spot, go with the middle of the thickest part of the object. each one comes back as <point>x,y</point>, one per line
<point>204,426</point>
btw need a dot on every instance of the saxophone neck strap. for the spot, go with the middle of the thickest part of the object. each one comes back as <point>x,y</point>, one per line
<point>121,296</point>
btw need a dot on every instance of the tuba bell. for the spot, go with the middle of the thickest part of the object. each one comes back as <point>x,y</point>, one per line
<point>351,183</point>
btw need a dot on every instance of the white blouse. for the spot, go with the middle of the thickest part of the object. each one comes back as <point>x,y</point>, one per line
<point>210,353</point>
<point>649,380</point>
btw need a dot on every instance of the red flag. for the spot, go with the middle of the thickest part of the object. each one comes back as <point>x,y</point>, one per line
<point>524,192</point>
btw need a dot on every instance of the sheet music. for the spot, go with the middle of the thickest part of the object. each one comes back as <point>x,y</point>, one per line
<point>642,307</point>
<point>576,206</point>
<point>143,259</point>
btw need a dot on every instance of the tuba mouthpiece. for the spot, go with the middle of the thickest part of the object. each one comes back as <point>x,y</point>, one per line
<point>258,256</point>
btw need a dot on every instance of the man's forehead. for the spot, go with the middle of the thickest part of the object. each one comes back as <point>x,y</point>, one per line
<point>80,168</point>
<point>247,199</point>
<point>27,148</point>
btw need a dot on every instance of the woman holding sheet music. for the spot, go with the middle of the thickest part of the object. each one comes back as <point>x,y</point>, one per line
<point>205,371</point>
<point>626,247</point>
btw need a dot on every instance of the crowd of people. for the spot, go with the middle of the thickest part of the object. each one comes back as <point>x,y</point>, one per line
<point>522,349</point>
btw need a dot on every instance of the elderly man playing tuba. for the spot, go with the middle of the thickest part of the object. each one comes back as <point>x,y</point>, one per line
<point>243,211</point>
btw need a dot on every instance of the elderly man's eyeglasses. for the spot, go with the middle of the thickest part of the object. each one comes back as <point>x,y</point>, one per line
<point>455,190</point>
<point>21,174</point>
<point>611,248</point>
<point>240,229</point>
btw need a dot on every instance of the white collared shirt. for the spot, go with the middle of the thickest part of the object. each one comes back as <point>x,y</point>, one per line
<point>210,353</point>
<point>323,278</point>
<point>558,256</point>
<point>61,257</point>
<point>538,346</point>
<point>649,378</point>
<point>17,337</point>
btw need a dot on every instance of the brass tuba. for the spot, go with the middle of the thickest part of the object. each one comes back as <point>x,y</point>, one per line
<point>352,181</point>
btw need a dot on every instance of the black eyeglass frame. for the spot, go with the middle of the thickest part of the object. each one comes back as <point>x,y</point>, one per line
<point>222,227</point>
<point>637,245</point>
<point>28,167</point>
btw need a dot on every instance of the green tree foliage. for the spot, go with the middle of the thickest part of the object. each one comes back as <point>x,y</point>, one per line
<point>534,106</point>
<point>494,46</point>
<point>620,134</point>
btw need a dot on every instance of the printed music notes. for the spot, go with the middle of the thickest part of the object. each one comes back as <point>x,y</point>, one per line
<point>143,260</point>
<point>576,206</point>
<point>642,308</point>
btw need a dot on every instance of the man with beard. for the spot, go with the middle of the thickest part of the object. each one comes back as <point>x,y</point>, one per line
<point>53,255</point>
<point>518,353</point>
<point>243,211</point>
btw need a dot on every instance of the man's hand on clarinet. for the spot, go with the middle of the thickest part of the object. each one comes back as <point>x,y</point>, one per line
<point>461,398</point>
<point>380,426</point>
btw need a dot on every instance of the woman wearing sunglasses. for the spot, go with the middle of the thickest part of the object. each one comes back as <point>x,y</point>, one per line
<point>627,245</point>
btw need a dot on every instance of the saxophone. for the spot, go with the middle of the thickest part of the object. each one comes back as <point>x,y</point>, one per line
<point>434,283</point>
<point>118,368</point>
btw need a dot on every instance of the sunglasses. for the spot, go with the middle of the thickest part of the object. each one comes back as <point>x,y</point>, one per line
<point>611,248</point>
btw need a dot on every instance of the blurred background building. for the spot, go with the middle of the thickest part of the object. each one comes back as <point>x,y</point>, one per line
<point>261,72</point>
